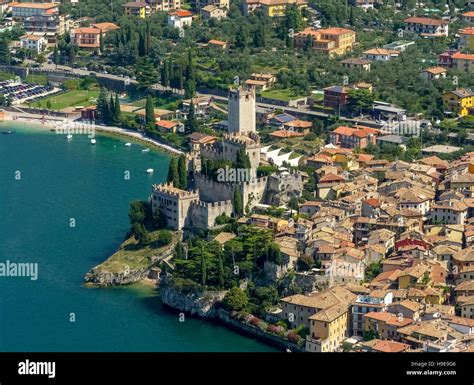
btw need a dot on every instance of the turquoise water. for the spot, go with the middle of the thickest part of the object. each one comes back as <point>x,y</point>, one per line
<point>61,180</point>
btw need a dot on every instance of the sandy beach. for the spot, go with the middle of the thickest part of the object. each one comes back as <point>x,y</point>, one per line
<point>49,123</point>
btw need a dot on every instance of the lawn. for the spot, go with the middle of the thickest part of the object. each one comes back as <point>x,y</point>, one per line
<point>69,99</point>
<point>134,255</point>
<point>281,94</point>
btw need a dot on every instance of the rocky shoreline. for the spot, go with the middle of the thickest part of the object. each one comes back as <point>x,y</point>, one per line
<point>204,304</point>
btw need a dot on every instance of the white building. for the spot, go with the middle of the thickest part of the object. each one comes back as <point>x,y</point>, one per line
<point>179,19</point>
<point>380,54</point>
<point>449,212</point>
<point>36,43</point>
<point>426,27</point>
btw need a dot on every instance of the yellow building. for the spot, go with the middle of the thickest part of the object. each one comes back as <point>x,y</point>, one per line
<point>385,324</point>
<point>460,101</point>
<point>333,41</point>
<point>139,9</point>
<point>466,38</point>
<point>272,8</point>
<point>328,329</point>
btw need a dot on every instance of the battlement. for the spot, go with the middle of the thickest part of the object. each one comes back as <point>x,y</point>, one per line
<point>174,192</point>
<point>247,141</point>
<point>241,93</point>
<point>208,205</point>
<point>255,182</point>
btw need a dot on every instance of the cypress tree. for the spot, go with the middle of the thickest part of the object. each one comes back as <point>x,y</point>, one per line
<point>220,272</point>
<point>238,202</point>
<point>103,106</point>
<point>183,175</point>
<point>203,269</point>
<point>111,109</point>
<point>101,42</point>
<point>149,111</point>
<point>191,124</point>
<point>117,111</point>
<point>173,174</point>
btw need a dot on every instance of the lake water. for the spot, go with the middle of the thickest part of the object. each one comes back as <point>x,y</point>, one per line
<point>60,180</point>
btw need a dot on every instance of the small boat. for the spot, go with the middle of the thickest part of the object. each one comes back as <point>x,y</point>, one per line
<point>69,137</point>
<point>128,144</point>
<point>145,150</point>
<point>8,132</point>
<point>149,171</point>
<point>93,141</point>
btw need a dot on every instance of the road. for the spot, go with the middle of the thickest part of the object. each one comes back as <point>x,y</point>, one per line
<point>300,111</point>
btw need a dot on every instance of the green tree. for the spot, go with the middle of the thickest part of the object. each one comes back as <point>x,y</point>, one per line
<point>111,108</point>
<point>203,269</point>
<point>49,105</point>
<point>235,299</point>
<point>56,58</point>
<point>242,160</point>
<point>149,111</point>
<point>146,73</point>
<point>242,37</point>
<point>101,42</point>
<point>183,174</point>
<point>5,55</point>
<point>360,100</point>
<point>136,212</point>
<point>238,202</point>
<point>191,124</point>
<point>117,112</point>
<point>190,84</point>
<point>173,173</point>
<point>103,106</point>
<point>220,273</point>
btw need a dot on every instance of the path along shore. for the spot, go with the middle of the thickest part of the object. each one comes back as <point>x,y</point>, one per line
<point>51,122</point>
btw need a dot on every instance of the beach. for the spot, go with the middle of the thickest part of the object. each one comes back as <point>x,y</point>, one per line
<point>58,123</point>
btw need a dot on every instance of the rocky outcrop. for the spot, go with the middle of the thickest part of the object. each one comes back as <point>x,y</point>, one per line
<point>106,278</point>
<point>190,300</point>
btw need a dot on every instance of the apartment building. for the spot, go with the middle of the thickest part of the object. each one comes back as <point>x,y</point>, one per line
<point>427,27</point>
<point>21,11</point>
<point>332,41</point>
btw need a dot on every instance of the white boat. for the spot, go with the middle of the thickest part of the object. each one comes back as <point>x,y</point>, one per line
<point>69,137</point>
<point>145,150</point>
<point>93,141</point>
<point>149,171</point>
<point>128,144</point>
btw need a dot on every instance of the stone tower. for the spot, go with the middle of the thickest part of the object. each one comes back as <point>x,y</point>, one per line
<point>242,112</point>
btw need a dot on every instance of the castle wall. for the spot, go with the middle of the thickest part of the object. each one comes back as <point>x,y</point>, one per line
<point>203,214</point>
<point>211,191</point>
<point>255,188</point>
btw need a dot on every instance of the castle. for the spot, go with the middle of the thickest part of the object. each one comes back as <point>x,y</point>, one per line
<point>207,199</point>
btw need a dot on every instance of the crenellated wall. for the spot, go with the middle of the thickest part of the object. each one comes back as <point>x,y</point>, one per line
<point>204,214</point>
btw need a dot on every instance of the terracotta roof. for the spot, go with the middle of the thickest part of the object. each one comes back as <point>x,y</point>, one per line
<point>462,56</point>
<point>386,346</point>
<point>299,124</point>
<point>436,70</point>
<point>467,31</point>
<point>381,51</point>
<point>35,5</point>
<point>166,123</point>
<point>426,21</point>
<point>285,134</point>
<point>217,42</point>
<point>181,13</point>
<point>331,178</point>
<point>89,30</point>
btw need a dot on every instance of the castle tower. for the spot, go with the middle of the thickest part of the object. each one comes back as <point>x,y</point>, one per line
<point>242,112</point>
